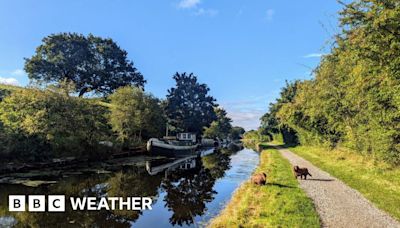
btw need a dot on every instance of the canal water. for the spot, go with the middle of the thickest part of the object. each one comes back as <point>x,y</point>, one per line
<point>186,192</point>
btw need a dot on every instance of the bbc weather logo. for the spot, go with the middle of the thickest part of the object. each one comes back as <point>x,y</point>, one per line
<point>36,203</point>
<point>56,203</point>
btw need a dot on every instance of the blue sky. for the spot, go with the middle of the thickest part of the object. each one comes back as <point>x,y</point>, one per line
<point>244,50</point>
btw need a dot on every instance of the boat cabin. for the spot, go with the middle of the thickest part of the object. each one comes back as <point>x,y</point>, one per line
<point>186,137</point>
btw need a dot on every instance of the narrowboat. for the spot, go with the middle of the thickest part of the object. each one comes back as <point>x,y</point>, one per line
<point>181,145</point>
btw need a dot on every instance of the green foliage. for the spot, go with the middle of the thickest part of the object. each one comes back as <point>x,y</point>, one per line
<point>220,128</point>
<point>256,136</point>
<point>4,93</point>
<point>237,132</point>
<point>251,135</point>
<point>6,90</point>
<point>135,114</point>
<point>91,63</point>
<point>189,107</point>
<point>272,125</point>
<point>354,100</point>
<point>46,123</point>
<point>212,131</point>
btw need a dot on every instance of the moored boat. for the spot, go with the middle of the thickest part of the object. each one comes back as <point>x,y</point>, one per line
<point>207,143</point>
<point>184,144</point>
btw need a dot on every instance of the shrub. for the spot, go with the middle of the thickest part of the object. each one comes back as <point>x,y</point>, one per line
<point>38,122</point>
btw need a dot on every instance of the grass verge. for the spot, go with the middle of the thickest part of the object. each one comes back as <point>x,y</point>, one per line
<point>378,182</point>
<point>280,203</point>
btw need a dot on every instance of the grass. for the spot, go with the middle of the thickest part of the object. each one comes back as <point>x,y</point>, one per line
<point>378,182</point>
<point>280,203</point>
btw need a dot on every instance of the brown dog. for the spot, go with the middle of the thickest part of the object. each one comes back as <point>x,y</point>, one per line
<point>302,172</point>
<point>259,179</point>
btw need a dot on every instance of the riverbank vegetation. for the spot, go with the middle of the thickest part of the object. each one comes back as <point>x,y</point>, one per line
<point>87,100</point>
<point>221,127</point>
<point>254,136</point>
<point>347,118</point>
<point>280,203</point>
<point>38,124</point>
<point>353,101</point>
<point>377,181</point>
<point>135,115</point>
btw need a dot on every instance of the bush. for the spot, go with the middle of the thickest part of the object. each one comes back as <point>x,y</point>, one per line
<point>48,122</point>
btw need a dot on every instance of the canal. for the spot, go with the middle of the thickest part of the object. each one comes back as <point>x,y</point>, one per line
<point>186,192</point>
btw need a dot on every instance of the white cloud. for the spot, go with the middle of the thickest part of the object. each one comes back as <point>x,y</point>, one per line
<point>187,4</point>
<point>193,5</point>
<point>18,72</point>
<point>314,55</point>
<point>248,119</point>
<point>9,81</point>
<point>269,15</point>
<point>206,12</point>
<point>247,112</point>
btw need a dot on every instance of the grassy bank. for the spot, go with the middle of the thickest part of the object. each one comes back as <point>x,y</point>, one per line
<point>281,203</point>
<point>378,182</point>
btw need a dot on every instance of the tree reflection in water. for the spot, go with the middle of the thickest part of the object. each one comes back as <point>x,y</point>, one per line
<point>129,182</point>
<point>217,162</point>
<point>188,191</point>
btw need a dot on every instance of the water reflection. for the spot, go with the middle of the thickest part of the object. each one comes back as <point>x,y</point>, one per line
<point>185,188</point>
<point>187,195</point>
<point>189,184</point>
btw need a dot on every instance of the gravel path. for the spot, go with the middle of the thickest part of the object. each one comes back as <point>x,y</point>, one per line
<point>337,204</point>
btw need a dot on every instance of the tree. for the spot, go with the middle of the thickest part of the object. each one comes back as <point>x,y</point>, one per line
<point>252,135</point>
<point>271,123</point>
<point>135,114</point>
<point>91,63</point>
<point>354,99</point>
<point>237,132</point>
<point>212,131</point>
<point>219,128</point>
<point>189,107</point>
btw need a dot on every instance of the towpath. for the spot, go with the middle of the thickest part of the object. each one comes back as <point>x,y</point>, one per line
<point>337,204</point>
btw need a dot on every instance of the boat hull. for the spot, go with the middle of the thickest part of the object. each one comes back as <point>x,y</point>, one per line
<point>158,148</point>
<point>159,151</point>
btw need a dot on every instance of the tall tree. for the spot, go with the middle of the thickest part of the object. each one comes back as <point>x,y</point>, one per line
<point>91,63</point>
<point>189,107</point>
